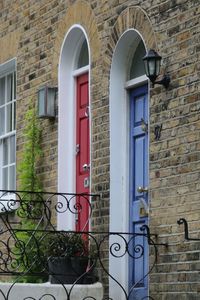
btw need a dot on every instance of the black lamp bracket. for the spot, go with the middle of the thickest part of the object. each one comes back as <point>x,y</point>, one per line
<point>165,81</point>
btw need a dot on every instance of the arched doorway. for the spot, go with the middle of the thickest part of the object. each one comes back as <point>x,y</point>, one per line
<point>129,158</point>
<point>74,124</point>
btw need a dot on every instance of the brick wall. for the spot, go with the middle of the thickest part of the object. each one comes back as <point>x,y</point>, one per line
<point>174,159</point>
<point>33,31</point>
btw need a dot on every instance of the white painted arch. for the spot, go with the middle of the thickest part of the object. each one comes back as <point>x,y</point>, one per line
<point>67,71</point>
<point>119,148</point>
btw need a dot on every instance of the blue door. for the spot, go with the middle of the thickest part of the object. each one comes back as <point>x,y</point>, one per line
<point>138,266</point>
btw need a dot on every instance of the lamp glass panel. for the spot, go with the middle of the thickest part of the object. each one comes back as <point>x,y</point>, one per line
<point>158,61</point>
<point>41,102</point>
<point>146,67</point>
<point>51,102</point>
<point>151,66</point>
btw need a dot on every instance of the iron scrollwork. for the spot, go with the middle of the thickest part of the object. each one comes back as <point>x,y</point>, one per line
<point>21,247</point>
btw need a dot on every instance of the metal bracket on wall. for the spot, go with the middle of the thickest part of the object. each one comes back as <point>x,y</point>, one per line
<point>149,236</point>
<point>186,232</point>
<point>157,132</point>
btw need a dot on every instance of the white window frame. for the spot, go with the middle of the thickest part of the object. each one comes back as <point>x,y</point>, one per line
<point>6,199</point>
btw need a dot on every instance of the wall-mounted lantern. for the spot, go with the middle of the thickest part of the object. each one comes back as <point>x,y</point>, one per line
<point>152,61</point>
<point>46,102</point>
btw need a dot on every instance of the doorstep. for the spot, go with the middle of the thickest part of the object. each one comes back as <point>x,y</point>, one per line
<point>47,291</point>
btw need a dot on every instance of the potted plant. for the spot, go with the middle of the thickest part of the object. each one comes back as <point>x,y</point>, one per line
<point>67,257</point>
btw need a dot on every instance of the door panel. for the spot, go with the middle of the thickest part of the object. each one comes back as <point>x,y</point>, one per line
<point>138,270</point>
<point>83,153</point>
<point>139,198</point>
<point>84,142</point>
<point>83,91</point>
<point>139,145</point>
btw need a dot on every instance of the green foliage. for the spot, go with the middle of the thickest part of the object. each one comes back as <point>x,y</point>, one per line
<point>26,249</point>
<point>28,259</point>
<point>66,244</point>
<point>31,155</point>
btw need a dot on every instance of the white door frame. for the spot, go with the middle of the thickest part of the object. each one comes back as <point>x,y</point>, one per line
<point>119,151</point>
<point>66,119</point>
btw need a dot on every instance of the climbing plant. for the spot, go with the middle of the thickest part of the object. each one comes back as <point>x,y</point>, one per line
<point>28,178</point>
<point>26,249</point>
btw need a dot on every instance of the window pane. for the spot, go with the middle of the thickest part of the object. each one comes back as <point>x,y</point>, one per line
<point>12,177</point>
<point>1,182</point>
<point>2,90</point>
<point>14,115</point>
<point>83,59</point>
<point>5,178</point>
<point>14,85</point>
<point>2,120</point>
<point>12,149</point>
<point>137,66</point>
<point>5,152</point>
<point>9,118</point>
<point>9,87</point>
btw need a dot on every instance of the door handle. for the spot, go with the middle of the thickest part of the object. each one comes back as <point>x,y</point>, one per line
<point>141,189</point>
<point>86,167</point>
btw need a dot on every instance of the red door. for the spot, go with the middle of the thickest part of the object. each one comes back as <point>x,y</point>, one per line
<point>82,152</point>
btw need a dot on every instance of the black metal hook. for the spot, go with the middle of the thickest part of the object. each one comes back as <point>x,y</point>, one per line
<point>186,231</point>
<point>149,234</point>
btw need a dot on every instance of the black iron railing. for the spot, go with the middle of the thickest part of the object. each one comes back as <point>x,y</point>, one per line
<point>30,244</point>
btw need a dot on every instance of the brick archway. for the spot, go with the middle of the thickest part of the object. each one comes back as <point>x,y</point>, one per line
<point>79,13</point>
<point>133,18</point>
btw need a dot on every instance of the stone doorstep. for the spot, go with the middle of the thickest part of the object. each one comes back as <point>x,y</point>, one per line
<point>20,291</point>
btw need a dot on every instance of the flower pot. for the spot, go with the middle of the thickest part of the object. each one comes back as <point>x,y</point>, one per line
<point>65,270</point>
<point>79,266</point>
